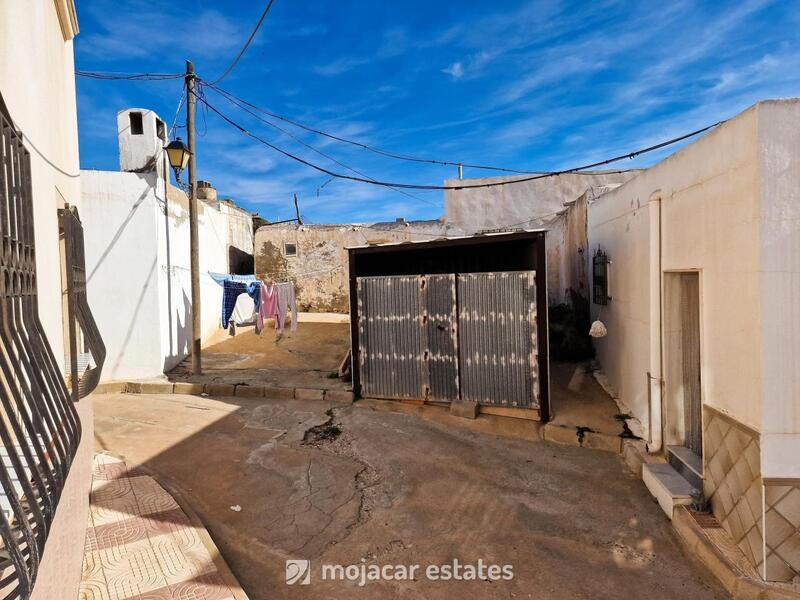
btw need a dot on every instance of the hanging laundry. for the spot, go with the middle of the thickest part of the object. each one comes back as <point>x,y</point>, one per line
<point>221,278</point>
<point>286,301</point>
<point>232,290</point>
<point>254,291</point>
<point>268,305</point>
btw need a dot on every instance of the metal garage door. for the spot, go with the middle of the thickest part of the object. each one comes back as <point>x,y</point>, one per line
<point>407,336</point>
<point>497,338</point>
<point>450,337</point>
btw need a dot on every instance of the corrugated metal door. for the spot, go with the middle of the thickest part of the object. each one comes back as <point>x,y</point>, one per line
<point>497,338</point>
<point>419,339</point>
<point>407,337</point>
<point>441,346</point>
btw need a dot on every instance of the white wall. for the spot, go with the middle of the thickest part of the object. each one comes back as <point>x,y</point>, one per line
<point>119,212</point>
<point>220,225</point>
<point>709,222</point>
<point>779,186</point>
<point>520,205</point>
<point>37,83</point>
<point>138,264</point>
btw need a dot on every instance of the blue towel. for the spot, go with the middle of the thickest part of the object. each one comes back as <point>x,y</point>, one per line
<point>232,290</point>
<point>221,278</point>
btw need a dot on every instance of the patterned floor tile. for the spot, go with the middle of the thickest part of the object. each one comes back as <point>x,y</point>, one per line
<point>140,544</point>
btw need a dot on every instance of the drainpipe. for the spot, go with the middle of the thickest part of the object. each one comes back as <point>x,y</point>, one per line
<point>655,378</point>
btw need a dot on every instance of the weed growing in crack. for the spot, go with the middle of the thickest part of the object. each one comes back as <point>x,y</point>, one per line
<point>581,432</point>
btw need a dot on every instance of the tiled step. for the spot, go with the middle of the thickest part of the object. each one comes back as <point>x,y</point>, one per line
<point>667,486</point>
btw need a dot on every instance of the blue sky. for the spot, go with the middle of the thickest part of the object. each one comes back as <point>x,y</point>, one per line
<point>539,85</point>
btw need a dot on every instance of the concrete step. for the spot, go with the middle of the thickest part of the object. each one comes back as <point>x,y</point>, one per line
<point>667,486</point>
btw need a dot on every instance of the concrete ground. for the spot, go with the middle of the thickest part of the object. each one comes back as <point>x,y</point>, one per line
<point>305,358</point>
<point>360,485</point>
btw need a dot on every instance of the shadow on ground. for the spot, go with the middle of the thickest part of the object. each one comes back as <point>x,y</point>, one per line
<point>354,483</point>
<point>304,358</point>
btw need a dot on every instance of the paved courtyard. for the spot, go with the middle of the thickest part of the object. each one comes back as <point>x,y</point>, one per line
<point>353,485</point>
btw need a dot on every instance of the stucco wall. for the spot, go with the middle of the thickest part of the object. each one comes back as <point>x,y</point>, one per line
<point>520,205</point>
<point>779,264</point>
<point>137,259</point>
<point>319,270</point>
<point>709,222</point>
<point>38,86</point>
<point>220,226</point>
<point>119,211</point>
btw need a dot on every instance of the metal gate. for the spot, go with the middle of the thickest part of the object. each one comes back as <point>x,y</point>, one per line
<point>497,336</point>
<point>407,329</point>
<point>449,337</point>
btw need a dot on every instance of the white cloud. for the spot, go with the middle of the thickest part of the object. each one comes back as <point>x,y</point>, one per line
<point>455,70</point>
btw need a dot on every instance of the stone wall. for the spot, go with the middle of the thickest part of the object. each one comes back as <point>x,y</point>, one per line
<point>318,268</point>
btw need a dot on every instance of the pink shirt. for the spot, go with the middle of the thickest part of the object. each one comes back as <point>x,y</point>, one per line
<point>269,305</point>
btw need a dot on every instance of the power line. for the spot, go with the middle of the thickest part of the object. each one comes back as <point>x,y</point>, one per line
<point>317,150</point>
<point>246,44</point>
<point>117,76</point>
<point>379,151</point>
<point>414,186</point>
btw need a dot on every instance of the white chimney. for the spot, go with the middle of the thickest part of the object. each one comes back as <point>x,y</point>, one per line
<point>142,137</point>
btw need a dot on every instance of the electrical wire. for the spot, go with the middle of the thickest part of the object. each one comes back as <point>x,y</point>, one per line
<point>317,150</point>
<point>629,155</point>
<point>117,76</point>
<point>177,112</point>
<point>379,151</point>
<point>246,44</point>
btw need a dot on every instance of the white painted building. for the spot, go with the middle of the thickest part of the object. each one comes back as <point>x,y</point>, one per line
<point>137,254</point>
<point>37,98</point>
<point>703,325</point>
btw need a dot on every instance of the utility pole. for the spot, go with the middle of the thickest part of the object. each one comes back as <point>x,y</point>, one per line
<point>194,261</point>
<point>297,211</point>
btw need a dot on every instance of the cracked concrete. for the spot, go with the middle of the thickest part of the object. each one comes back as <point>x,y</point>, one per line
<point>394,488</point>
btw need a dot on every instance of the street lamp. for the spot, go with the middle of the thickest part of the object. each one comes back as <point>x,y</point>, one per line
<point>178,155</point>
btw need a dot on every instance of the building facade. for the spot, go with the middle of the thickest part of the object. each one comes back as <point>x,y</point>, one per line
<point>701,256</point>
<point>37,101</point>
<point>314,257</point>
<point>137,253</point>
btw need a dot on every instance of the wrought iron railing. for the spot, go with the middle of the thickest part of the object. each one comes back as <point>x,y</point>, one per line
<point>79,315</point>
<point>39,426</point>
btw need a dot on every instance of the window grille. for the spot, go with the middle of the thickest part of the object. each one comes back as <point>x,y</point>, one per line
<point>39,426</point>
<point>601,293</point>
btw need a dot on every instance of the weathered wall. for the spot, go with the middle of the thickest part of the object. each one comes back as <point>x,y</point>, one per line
<point>220,226</point>
<point>709,207</point>
<point>779,265</point>
<point>522,205</point>
<point>37,83</point>
<point>319,270</point>
<point>137,259</point>
<point>568,260</point>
